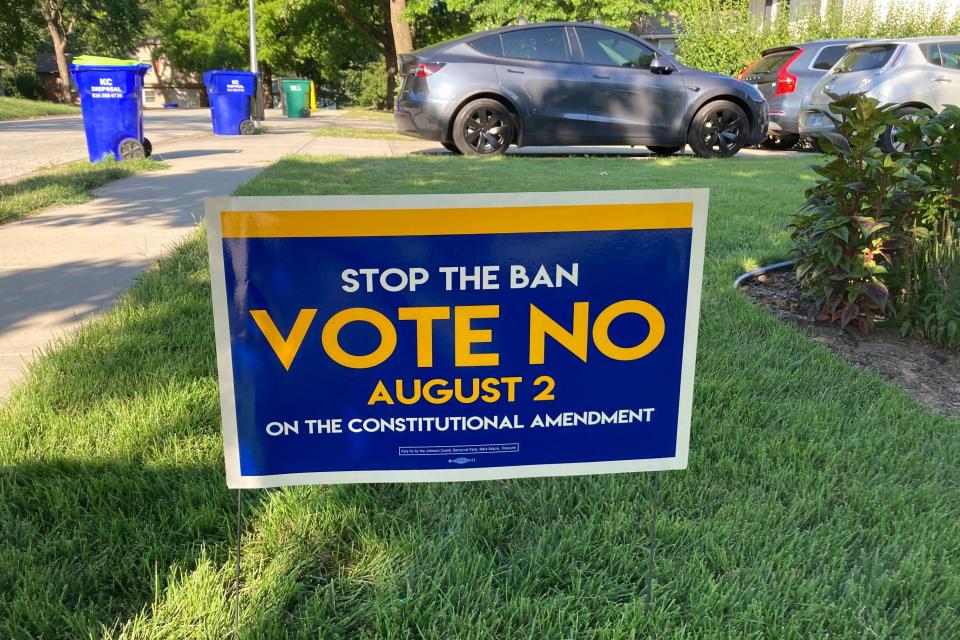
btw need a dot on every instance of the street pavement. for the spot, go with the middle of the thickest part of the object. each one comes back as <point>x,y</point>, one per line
<point>29,145</point>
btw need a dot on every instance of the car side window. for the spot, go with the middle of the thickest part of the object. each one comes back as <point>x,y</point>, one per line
<point>828,57</point>
<point>489,45</point>
<point>948,55</point>
<point>611,49</point>
<point>548,44</point>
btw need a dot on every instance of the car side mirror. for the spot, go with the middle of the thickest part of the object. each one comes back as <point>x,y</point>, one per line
<point>661,65</point>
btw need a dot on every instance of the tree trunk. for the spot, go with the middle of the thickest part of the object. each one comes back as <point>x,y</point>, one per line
<point>402,38</point>
<point>266,76</point>
<point>389,48</point>
<point>390,58</point>
<point>54,19</point>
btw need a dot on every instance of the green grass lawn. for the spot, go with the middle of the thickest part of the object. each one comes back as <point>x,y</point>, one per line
<point>820,501</point>
<point>14,108</point>
<point>369,133</point>
<point>67,184</point>
<point>359,113</point>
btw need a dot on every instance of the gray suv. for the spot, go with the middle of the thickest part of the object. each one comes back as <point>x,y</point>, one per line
<point>567,84</point>
<point>785,76</point>
<point>914,73</point>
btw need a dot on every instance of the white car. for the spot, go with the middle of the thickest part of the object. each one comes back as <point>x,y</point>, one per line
<point>914,73</point>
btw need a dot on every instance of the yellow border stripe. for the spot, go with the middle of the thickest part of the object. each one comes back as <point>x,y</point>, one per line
<point>455,221</point>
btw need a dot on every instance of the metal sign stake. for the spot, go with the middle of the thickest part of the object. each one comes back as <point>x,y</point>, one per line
<point>236,610</point>
<point>653,542</point>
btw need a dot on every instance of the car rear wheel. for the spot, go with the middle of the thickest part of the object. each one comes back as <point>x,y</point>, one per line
<point>780,142</point>
<point>888,139</point>
<point>663,151</point>
<point>483,127</point>
<point>719,130</point>
<point>452,148</point>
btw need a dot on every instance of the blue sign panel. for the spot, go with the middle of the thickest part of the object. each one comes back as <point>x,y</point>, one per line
<point>429,338</point>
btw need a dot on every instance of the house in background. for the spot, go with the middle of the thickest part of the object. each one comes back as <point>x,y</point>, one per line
<point>166,86</point>
<point>660,31</point>
<point>163,84</point>
<point>49,75</point>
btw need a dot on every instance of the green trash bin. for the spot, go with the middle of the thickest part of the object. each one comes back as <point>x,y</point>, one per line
<point>297,95</point>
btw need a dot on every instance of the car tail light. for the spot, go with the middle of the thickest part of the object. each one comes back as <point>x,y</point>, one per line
<point>743,74</point>
<point>786,81</point>
<point>424,70</point>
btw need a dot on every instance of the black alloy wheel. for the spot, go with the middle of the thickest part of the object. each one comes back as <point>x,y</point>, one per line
<point>780,142</point>
<point>247,128</point>
<point>131,149</point>
<point>663,151</point>
<point>452,148</point>
<point>483,128</point>
<point>719,130</point>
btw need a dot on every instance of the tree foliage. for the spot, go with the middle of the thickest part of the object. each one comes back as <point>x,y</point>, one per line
<point>198,35</point>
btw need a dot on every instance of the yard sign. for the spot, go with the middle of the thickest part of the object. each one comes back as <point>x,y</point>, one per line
<point>425,338</point>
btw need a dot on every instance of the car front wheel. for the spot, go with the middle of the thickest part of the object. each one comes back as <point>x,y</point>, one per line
<point>483,127</point>
<point>888,139</point>
<point>719,130</point>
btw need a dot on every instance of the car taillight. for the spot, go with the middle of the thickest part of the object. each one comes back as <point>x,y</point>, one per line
<point>786,81</point>
<point>424,70</point>
<point>743,74</point>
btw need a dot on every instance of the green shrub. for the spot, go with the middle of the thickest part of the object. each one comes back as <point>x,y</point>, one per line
<point>878,235</point>
<point>365,85</point>
<point>931,298</point>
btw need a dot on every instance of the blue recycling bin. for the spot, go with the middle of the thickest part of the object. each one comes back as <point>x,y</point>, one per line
<point>111,101</point>
<point>231,93</point>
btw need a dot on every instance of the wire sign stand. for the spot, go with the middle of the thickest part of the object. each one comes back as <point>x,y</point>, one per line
<point>648,583</point>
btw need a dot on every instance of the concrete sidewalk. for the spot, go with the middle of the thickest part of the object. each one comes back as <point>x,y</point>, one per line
<point>62,266</point>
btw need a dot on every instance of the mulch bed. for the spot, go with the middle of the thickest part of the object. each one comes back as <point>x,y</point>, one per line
<point>926,371</point>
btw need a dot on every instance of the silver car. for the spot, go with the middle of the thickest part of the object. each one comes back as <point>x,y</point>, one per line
<point>786,76</point>
<point>914,73</point>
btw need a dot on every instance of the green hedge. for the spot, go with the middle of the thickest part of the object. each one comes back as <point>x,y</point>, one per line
<point>726,40</point>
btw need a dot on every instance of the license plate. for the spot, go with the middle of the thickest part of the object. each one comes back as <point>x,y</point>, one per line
<point>815,120</point>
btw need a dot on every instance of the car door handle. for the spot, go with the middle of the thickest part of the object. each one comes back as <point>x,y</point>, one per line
<point>942,79</point>
<point>509,70</point>
<point>601,77</point>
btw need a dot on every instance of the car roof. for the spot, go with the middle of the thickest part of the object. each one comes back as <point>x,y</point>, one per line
<point>924,40</point>
<point>810,44</point>
<point>470,37</point>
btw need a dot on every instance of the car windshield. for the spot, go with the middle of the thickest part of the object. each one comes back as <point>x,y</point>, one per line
<point>772,61</point>
<point>865,58</point>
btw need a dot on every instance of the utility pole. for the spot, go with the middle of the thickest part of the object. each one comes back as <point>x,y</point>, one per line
<point>258,115</point>
<point>253,37</point>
